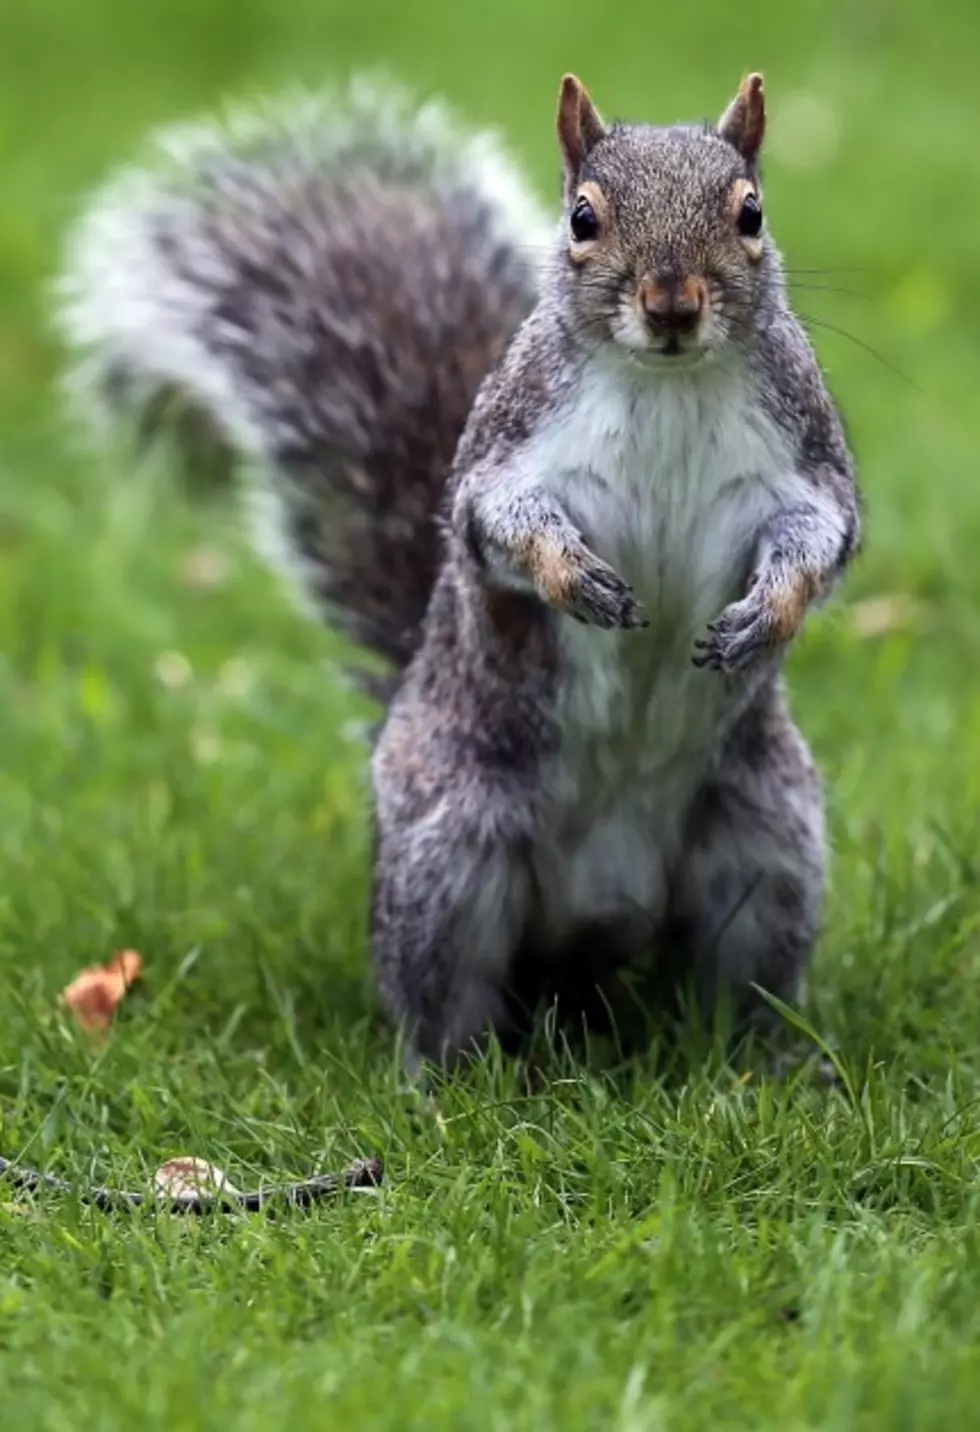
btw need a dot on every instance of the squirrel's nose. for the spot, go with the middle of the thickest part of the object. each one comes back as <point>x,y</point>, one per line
<point>671,306</point>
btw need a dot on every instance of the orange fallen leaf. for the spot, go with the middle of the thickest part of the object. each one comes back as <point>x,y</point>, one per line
<point>94,995</point>
<point>188,1179</point>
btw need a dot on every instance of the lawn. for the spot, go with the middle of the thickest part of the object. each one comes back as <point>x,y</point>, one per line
<point>666,1243</point>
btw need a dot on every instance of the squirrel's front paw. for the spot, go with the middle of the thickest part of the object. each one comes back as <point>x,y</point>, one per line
<point>569,576</point>
<point>769,617</point>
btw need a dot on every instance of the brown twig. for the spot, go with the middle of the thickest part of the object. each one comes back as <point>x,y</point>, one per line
<point>366,1173</point>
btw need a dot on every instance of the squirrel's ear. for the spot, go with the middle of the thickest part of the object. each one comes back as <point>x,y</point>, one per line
<point>744,122</point>
<point>579,127</point>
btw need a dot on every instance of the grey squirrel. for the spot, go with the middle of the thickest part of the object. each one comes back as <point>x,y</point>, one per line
<point>578,484</point>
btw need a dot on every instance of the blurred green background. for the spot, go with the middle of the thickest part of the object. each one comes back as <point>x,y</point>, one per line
<point>872,168</point>
<point>873,191</point>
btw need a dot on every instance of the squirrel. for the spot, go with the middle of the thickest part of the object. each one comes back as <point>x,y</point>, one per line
<point>577,483</point>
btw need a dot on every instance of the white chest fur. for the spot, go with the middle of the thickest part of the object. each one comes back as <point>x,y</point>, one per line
<point>670,479</point>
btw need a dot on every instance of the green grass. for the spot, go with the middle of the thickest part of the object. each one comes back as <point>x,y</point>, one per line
<point>629,1248</point>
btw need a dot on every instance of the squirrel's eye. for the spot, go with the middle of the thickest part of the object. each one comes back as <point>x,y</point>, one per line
<point>750,217</point>
<point>585,224</point>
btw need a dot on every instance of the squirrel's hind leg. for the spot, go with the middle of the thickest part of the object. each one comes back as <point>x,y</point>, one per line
<point>449,905</point>
<point>748,893</point>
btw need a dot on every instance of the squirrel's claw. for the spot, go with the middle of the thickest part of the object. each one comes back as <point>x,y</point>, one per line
<point>767,618</point>
<point>604,603</point>
<point>739,636</point>
<point>579,583</point>
<point>603,599</point>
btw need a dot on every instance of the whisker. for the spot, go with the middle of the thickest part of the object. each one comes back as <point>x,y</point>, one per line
<point>807,319</point>
<point>860,343</point>
<point>832,288</point>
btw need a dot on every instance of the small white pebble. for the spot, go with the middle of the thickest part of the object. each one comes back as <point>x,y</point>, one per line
<point>185,1179</point>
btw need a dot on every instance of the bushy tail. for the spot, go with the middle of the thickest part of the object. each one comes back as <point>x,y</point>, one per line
<point>317,289</point>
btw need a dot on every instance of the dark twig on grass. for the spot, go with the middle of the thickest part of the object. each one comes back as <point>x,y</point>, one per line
<point>366,1173</point>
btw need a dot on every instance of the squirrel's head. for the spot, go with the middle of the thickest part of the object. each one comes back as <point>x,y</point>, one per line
<point>665,250</point>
